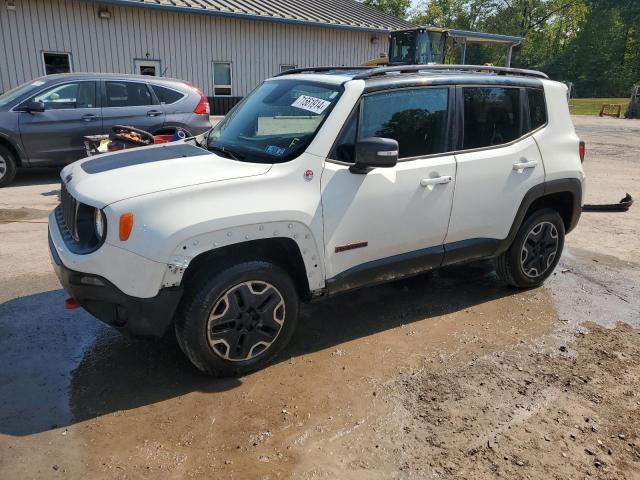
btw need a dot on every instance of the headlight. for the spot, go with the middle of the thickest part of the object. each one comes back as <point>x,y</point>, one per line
<point>99,223</point>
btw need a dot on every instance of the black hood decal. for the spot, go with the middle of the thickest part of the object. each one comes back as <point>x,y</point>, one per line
<point>137,156</point>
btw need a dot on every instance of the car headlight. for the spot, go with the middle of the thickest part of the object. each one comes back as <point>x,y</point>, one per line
<point>99,223</point>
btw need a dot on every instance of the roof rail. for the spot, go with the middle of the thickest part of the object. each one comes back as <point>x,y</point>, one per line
<point>320,70</point>
<point>373,72</point>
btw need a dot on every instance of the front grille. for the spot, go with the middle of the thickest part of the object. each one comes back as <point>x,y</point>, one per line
<point>68,211</point>
<point>76,224</point>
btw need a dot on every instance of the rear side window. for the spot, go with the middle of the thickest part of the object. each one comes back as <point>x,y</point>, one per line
<point>537,108</point>
<point>491,116</point>
<point>415,118</point>
<point>127,94</point>
<point>167,95</point>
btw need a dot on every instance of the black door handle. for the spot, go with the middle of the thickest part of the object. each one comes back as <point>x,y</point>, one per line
<point>89,117</point>
<point>153,113</point>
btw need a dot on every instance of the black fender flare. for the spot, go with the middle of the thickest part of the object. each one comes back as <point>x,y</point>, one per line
<point>561,185</point>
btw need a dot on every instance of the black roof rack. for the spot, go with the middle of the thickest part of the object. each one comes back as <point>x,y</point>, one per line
<point>320,70</point>
<point>374,72</point>
<point>369,72</point>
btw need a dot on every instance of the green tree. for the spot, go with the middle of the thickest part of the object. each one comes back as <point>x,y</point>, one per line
<point>397,8</point>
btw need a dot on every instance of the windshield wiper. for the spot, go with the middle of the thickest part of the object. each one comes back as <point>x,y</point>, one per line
<point>228,153</point>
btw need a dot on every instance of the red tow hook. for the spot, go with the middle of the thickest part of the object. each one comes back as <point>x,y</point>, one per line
<point>71,304</point>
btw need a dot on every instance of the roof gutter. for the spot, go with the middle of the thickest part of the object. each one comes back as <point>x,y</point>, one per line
<point>243,16</point>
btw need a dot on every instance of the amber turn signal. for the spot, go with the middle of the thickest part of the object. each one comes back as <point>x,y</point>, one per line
<point>126,225</point>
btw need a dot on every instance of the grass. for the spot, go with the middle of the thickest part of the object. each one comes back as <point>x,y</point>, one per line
<point>591,106</point>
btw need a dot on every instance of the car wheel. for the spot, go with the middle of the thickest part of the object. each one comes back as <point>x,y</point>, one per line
<point>7,166</point>
<point>535,251</point>
<point>237,320</point>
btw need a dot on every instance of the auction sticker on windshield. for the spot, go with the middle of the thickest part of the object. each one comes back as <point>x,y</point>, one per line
<point>312,104</point>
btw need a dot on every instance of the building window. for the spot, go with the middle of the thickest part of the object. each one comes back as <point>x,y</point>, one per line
<point>288,66</point>
<point>56,63</point>
<point>222,79</point>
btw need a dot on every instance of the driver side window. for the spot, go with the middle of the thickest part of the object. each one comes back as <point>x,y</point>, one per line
<point>415,118</point>
<point>68,96</point>
<point>345,148</point>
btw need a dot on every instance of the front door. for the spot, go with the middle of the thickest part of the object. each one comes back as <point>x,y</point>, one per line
<point>55,136</point>
<point>132,104</point>
<point>390,217</point>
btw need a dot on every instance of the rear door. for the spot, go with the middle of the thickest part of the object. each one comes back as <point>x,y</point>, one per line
<point>130,103</point>
<point>55,136</point>
<point>499,162</point>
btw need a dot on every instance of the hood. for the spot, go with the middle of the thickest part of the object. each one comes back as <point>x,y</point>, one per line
<point>111,177</point>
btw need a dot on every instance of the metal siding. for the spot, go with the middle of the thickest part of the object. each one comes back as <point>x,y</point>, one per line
<point>186,44</point>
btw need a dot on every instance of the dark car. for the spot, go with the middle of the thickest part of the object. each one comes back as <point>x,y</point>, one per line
<point>43,122</point>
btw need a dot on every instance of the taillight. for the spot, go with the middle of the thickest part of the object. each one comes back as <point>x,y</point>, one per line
<point>582,150</point>
<point>203,105</point>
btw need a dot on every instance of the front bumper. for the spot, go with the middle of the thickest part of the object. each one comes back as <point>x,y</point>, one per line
<point>102,299</point>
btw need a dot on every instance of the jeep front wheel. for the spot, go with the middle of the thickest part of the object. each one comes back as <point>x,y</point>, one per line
<point>535,251</point>
<point>238,319</point>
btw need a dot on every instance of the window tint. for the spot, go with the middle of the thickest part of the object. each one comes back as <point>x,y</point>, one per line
<point>537,108</point>
<point>345,149</point>
<point>491,116</point>
<point>166,95</point>
<point>56,63</point>
<point>127,94</point>
<point>416,118</point>
<point>68,95</point>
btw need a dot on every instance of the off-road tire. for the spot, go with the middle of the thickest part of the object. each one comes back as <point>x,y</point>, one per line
<point>510,265</point>
<point>8,166</point>
<point>204,292</point>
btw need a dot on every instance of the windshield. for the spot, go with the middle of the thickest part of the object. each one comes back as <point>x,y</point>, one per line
<point>402,47</point>
<point>276,122</point>
<point>9,96</point>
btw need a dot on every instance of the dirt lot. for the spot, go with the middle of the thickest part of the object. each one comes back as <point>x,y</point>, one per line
<point>447,375</point>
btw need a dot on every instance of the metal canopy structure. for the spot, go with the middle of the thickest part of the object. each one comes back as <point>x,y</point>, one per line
<point>462,37</point>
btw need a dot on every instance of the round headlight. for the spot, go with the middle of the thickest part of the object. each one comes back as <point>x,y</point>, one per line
<point>99,223</point>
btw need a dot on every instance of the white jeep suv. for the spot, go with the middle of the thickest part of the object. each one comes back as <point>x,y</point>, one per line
<point>320,181</point>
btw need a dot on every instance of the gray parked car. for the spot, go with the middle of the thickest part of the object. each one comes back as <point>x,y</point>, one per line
<point>43,122</point>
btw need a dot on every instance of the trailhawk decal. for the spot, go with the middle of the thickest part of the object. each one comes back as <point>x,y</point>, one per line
<point>138,156</point>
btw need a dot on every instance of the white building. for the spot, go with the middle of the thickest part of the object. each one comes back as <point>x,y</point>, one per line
<point>225,47</point>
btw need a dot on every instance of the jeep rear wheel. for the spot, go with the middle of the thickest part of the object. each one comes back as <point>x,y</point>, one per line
<point>7,166</point>
<point>535,251</point>
<point>239,319</point>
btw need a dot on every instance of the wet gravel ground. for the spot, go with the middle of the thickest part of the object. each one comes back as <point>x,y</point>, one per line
<point>447,375</point>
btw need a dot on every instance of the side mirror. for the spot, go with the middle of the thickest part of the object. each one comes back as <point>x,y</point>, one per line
<point>375,152</point>
<point>34,107</point>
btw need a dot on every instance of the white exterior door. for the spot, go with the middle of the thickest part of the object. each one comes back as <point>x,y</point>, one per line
<point>499,168</point>
<point>390,211</point>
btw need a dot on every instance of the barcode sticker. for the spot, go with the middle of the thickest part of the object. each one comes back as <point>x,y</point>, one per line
<point>312,104</point>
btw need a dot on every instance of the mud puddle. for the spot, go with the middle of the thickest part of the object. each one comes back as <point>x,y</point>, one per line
<point>22,214</point>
